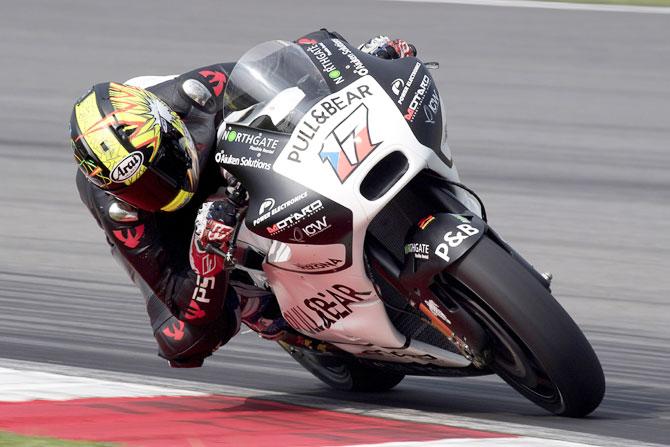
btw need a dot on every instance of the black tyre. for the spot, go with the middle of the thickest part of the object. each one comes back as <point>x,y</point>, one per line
<point>343,374</point>
<point>537,348</point>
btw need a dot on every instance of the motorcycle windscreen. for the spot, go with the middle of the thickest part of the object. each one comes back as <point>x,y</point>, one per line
<point>272,86</point>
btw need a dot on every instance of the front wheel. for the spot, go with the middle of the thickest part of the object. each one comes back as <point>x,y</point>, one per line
<point>343,374</point>
<point>537,348</point>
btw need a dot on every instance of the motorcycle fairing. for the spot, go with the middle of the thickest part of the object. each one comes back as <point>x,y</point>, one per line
<point>436,242</point>
<point>339,307</point>
<point>282,209</point>
<point>332,150</point>
<point>406,80</point>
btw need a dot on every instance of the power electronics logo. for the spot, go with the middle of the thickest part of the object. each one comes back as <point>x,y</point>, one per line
<point>396,86</point>
<point>267,205</point>
<point>348,144</point>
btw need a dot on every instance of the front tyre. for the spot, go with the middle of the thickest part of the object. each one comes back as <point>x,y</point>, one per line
<point>537,348</point>
<point>343,374</point>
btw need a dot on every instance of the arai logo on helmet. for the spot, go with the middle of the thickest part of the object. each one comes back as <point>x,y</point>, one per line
<point>127,167</point>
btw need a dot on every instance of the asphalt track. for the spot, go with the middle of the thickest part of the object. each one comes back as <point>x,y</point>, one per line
<point>560,119</point>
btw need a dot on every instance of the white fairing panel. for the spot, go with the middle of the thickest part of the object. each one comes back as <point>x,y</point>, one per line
<point>331,150</point>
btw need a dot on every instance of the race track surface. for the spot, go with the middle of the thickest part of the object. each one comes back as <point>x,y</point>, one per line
<point>559,119</point>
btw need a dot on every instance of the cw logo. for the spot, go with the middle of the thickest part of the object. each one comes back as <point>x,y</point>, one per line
<point>348,144</point>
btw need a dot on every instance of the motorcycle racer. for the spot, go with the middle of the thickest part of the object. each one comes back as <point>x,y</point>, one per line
<point>145,173</point>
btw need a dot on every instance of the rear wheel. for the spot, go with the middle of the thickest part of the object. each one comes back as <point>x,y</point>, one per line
<point>343,374</point>
<point>536,347</point>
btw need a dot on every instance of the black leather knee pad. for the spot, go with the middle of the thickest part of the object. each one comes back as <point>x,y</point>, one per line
<point>183,342</point>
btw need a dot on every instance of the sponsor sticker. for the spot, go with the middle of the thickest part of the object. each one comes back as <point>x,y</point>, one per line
<point>325,308</point>
<point>228,159</point>
<point>127,167</point>
<point>257,142</point>
<point>322,55</point>
<point>268,209</point>
<point>327,264</point>
<point>435,310</point>
<point>348,144</point>
<point>454,239</point>
<point>418,98</point>
<point>310,230</point>
<point>295,217</point>
<point>431,107</point>
<point>355,64</point>
<point>266,205</point>
<point>396,86</point>
<point>306,41</point>
<point>409,82</point>
<point>321,114</point>
<point>423,223</point>
<point>316,227</point>
<point>395,354</point>
<point>420,251</point>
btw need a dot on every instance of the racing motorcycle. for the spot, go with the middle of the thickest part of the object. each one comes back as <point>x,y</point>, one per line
<point>381,261</point>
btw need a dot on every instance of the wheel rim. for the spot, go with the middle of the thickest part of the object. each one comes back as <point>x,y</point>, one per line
<point>518,365</point>
<point>336,373</point>
<point>512,360</point>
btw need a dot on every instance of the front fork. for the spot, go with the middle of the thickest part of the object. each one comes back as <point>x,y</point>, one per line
<point>431,246</point>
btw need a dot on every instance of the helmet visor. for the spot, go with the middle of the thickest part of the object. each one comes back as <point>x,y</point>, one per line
<point>177,162</point>
<point>170,180</point>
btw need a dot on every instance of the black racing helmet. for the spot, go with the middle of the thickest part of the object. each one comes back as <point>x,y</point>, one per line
<point>129,142</point>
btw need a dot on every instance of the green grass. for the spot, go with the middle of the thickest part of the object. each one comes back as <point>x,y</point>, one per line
<point>10,439</point>
<point>618,2</point>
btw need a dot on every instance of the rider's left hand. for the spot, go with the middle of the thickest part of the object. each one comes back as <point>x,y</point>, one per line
<point>214,226</point>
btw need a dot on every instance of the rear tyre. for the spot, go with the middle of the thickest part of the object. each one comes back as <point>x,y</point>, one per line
<point>344,374</point>
<point>537,348</point>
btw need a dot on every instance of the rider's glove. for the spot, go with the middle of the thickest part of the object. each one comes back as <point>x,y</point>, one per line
<point>385,48</point>
<point>214,227</point>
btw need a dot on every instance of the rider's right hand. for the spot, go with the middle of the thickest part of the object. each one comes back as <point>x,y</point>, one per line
<point>214,227</point>
<point>385,48</point>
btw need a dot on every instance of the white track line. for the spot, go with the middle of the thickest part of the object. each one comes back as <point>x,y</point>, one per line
<point>19,385</point>
<point>551,5</point>
<point>165,386</point>
<point>524,441</point>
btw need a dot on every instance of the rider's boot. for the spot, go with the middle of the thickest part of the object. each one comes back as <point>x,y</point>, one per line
<point>262,315</point>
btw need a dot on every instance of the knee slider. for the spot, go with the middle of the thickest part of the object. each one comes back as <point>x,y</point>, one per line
<point>184,342</point>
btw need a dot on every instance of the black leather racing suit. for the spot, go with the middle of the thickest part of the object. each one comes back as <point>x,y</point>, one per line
<point>190,316</point>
